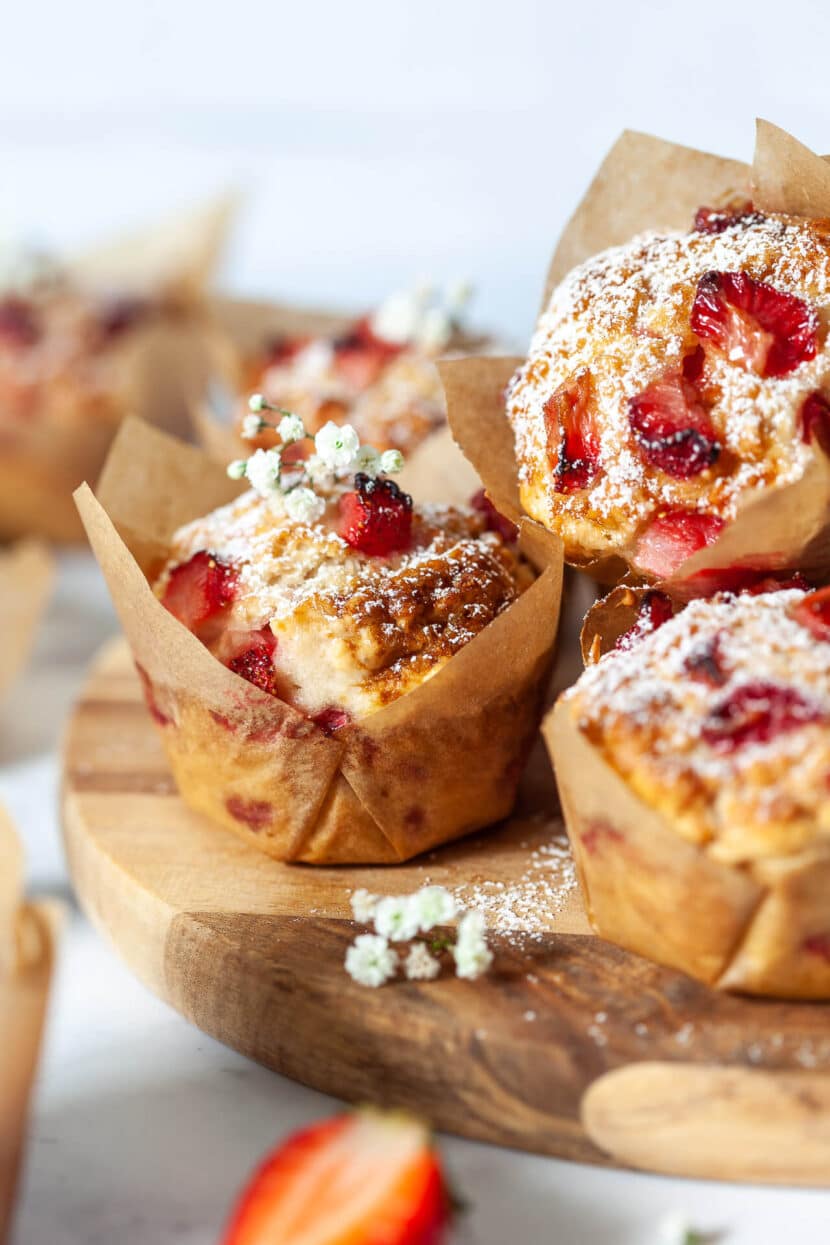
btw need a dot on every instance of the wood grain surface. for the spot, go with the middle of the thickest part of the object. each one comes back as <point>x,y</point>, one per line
<point>252,952</point>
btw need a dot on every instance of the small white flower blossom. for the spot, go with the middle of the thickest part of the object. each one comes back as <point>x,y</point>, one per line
<point>291,429</point>
<point>237,469</point>
<point>263,472</point>
<point>434,905</point>
<point>317,471</point>
<point>370,961</point>
<point>257,403</point>
<point>368,460</point>
<point>252,426</point>
<point>391,462</point>
<point>304,506</point>
<point>471,954</point>
<point>434,329</point>
<point>457,295</point>
<point>337,446</point>
<point>396,918</point>
<point>364,904</point>
<point>420,964</point>
<point>675,1229</point>
<point>396,319</point>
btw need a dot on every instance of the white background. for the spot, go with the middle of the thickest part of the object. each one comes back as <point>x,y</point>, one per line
<point>376,142</point>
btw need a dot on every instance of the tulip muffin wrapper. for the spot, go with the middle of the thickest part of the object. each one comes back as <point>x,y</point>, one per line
<point>440,761</point>
<point>646,183</point>
<point>761,927</point>
<point>26,573</point>
<point>28,940</point>
<point>154,372</point>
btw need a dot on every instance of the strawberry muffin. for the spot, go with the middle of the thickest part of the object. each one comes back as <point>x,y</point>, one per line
<point>694,767</point>
<point>672,383</point>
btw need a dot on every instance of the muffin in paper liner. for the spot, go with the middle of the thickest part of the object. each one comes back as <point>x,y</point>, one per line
<point>26,572</point>
<point>648,184</point>
<point>56,428</point>
<point>747,910</point>
<point>438,762</point>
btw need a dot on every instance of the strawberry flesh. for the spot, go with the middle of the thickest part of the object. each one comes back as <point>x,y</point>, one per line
<point>756,326</point>
<point>747,580</point>
<point>377,517</point>
<point>281,350</point>
<point>360,355</point>
<point>255,662</point>
<point>493,518</point>
<point>815,421</point>
<point>755,713</point>
<point>674,537</point>
<point>672,430</point>
<point>365,1179</point>
<point>813,612</point>
<point>571,433</point>
<point>716,220</point>
<point>200,589</point>
<point>655,609</point>
<point>331,719</point>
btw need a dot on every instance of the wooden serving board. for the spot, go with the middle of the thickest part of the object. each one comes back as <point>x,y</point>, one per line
<point>252,952</point>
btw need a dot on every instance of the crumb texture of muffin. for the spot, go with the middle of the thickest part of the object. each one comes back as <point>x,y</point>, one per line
<point>671,379</point>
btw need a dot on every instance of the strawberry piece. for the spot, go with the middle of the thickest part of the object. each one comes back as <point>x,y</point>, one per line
<point>815,421</point>
<point>18,324</point>
<point>493,518</point>
<point>360,355</point>
<point>361,1179</point>
<point>756,326</point>
<point>705,663</point>
<point>748,580</point>
<point>331,719</point>
<point>655,609</point>
<point>377,517</point>
<point>572,437</point>
<point>672,430</point>
<point>673,537</point>
<point>281,350</point>
<point>756,713</point>
<point>716,220</point>
<point>199,589</point>
<point>813,612</point>
<point>255,661</point>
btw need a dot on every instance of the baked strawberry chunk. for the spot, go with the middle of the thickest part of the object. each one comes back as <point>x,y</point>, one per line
<point>756,713</point>
<point>674,537</point>
<point>572,436</point>
<point>281,350</point>
<point>361,1179</point>
<point>200,589</point>
<point>255,660</point>
<point>815,421</point>
<point>705,663</point>
<point>331,719</point>
<point>360,355</point>
<point>756,326</point>
<point>377,517</point>
<point>672,429</point>
<point>655,609</point>
<point>716,220</point>
<point>813,612</point>
<point>745,580</point>
<point>495,520</point>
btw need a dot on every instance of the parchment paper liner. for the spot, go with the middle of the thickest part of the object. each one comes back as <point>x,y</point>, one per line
<point>431,766</point>
<point>28,933</point>
<point>736,927</point>
<point>25,580</point>
<point>155,371</point>
<point>646,183</point>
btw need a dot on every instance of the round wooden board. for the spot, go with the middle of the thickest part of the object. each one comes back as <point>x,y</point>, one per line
<point>252,952</point>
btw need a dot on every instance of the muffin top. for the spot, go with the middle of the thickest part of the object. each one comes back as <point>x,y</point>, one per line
<point>720,719</point>
<point>340,614</point>
<point>670,377</point>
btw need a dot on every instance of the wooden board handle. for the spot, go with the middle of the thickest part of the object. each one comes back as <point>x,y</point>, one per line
<point>714,1123</point>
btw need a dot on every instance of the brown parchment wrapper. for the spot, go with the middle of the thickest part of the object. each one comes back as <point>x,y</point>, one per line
<point>609,619</point>
<point>156,372</point>
<point>646,183</point>
<point>437,763</point>
<point>26,572</point>
<point>28,935</point>
<point>759,928</point>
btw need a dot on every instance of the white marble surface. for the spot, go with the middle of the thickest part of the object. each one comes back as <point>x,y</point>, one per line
<point>143,1128</point>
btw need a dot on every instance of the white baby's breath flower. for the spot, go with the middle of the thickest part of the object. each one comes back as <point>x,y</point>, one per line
<point>337,446</point>
<point>457,295</point>
<point>396,918</point>
<point>303,505</point>
<point>363,904</point>
<point>237,469</point>
<point>370,961</point>
<point>317,471</point>
<point>420,965</point>
<point>291,429</point>
<point>391,462</point>
<point>434,905</point>
<point>263,472</point>
<point>257,403</point>
<point>368,461</point>
<point>471,954</point>
<point>434,329</point>
<point>396,319</point>
<point>252,426</point>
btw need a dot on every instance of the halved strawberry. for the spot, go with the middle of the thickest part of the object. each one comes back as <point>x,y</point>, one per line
<point>755,713</point>
<point>572,437</point>
<point>815,421</point>
<point>813,612</point>
<point>715,220</point>
<point>377,517</point>
<point>672,429</point>
<point>253,657</point>
<point>199,589</point>
<point>756,326</point>
<point>360,1179</point>
<point>672,538</point>
<point>495,520</point>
